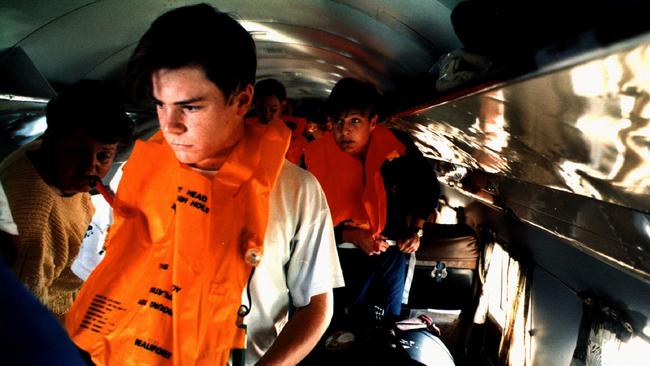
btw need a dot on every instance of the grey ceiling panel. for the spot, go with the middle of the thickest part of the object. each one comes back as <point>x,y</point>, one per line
<point>69,40</point>
<point>18,76</point>
<point>18,19</point>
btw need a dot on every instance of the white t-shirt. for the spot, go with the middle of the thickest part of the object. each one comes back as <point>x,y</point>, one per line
<point>7,223</point>
<point>92,246</point>
<point>300,258</point>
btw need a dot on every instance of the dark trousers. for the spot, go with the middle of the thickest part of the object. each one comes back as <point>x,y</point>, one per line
<point>372,280</point>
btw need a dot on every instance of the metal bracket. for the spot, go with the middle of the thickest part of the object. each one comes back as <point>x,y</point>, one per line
<point>439,271</point>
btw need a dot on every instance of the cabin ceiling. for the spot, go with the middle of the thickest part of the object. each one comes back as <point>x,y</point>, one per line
<point>306,44</point>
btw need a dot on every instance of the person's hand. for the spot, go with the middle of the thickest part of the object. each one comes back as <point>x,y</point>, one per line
<point>409,245</point>
<point>364,240</point>
<point>380,245</point>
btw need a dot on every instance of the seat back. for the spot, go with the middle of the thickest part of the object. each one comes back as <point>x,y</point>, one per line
<point>446,268</point>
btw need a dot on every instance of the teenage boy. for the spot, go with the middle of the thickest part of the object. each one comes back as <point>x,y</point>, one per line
<point>380,191</point>
<point>198,208</point>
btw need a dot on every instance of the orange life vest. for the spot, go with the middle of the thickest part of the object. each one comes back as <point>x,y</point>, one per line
<point>298,140</point>
<point>342,178</point>
<point>168,289</point>
<point>299,122</point>
<point>297,149</point>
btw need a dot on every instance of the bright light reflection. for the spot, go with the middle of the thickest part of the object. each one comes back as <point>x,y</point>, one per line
<point>433,139</point>
<point>607,150</point>
<point>262,32</point>
<point>602,128</point>
<point>637,179</point>
<point>453,202</point>
<point>627,104</point>
<point>618,147</point>
<point>35,128</point>
<point>614,73</point>
<point>597,78</point>
<point>588,80</point>
<point>629,353</point>
<point>637,62</point>
<point>569,172</point>
<point>447,216</point>
<point>496,137</point>
<point>493,137</point>
<point>646,227</point>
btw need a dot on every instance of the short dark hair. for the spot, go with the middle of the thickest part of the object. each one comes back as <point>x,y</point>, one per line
<point>350,93</point>
<point>93,107</point>
<point>197,35</point>
<point>270,87</point>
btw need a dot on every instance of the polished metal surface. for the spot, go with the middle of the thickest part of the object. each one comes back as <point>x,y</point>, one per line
<point>567,151</point>
<point>584,129</point>
<point>22,119</point>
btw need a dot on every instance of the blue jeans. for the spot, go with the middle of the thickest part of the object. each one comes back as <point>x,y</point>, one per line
<point>372,280</point>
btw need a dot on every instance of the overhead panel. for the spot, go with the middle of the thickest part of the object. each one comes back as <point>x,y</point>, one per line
<point>583,129</point>
<point>428,21</point>
<point>69,40</point>
<point>19,76</point>
<point>19,19</point>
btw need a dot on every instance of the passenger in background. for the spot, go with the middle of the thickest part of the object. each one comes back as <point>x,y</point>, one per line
<point>380,191</point>
<point>290,107</point>
<point>318,125</point>
<point>270,100</point>
<point>8,231</point>
<point>47,184</point>
<point>205,207</point>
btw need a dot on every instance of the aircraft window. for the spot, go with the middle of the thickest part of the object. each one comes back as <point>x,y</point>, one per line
<point>446,214</point>
<point>629,353</point>
<point>503,300</point>
<point>606,335</point>
<point>495,284</point>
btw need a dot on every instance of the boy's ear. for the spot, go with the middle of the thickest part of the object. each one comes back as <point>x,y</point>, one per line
<point>244,99</point>
<point>373,122</point>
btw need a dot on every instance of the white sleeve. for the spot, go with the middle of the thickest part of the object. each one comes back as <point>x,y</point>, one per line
<point>7,223</point>
<point>314,265</point>
<point>92,246</point>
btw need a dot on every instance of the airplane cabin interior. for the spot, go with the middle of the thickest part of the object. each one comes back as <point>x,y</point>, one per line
<point>535,117</point>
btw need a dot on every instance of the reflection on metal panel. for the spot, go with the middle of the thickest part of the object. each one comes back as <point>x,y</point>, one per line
<point>567,151</point>
<point>584,129</point>
<point>21,121</point>
<point>616,235</point>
